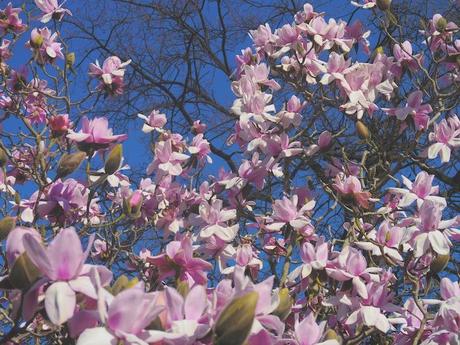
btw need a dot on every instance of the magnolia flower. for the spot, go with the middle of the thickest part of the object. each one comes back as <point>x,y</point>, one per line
<point>166,160</point>
<point>427,232</point>
<point>187,317</point>
<point>59,124</point>
<point>350,186</point>
<point>126,317</point>
<point>62,263</point>
<point>403,55</point>
<point>313,258</point>
<point>155,121</point>
<point>10,21</point>
<point>216,218</point>
<point>387,240</point>
<point>286,211</point>
<point>96,132</point>
<point>51,9</point>
<point>415,108</point>
<point>446,135</point>
<point>308,332</point>
<point>178,260</point>
<point>421,189</point>
<point>111,74</point>
<point>44,44</point>
<point>351,264</point>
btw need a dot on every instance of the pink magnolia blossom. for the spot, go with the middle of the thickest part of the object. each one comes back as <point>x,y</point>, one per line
<point>415,108</point>
<point>313,258</point>
<point>288,211</point>
<point>308,332</point>
<point>178,260</point>
<point>96,132</point>
<point>124,322</point>
<point>62,262</point>
<point>421,189</point>
<point>10,21</point>
<point>427,233</point>
<point>215,219</point>
<point>51,9</point>
<point>14,245</point>
<point>44,45</point>
<point>155,121</point>
<point>59,124</point>
<point>62,202</point>
<point>351,264</point>
<point>446,135</point>
<point>387,241</point>
<point>403,55</point>
<point>111,74</point>
<point>5,52</point>
<point>186,318</point>
<point>350,186</point>
<point>167,160</point>
<point>201,148</point>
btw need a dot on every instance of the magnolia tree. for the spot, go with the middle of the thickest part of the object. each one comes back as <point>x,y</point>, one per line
<point>335,222</point>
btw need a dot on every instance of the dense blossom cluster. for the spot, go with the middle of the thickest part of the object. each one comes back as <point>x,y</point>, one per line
<point>284,279</point>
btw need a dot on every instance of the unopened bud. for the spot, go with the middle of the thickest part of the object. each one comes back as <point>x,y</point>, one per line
<point>132,205</point>
<point>6,225</point>
<point>3,158</point>
<point>384,5</point>
<point>122,283</point>
<point>362,130</point>
<point>330,334</point>
<point>23,273</point>
<point>284,307</point>
<point>325,141</point>
<point>36,41</point>
<point>70,59</point>
<point>235,321</point>
<point>69,163</point>
<point>112,164</point>
<point>441,24</point>
<point>439,263</point>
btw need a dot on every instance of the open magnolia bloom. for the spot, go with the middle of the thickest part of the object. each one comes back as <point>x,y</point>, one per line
<point>62,263</point>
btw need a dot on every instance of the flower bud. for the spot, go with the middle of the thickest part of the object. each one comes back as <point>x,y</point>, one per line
<point>235,321</point>
<point>439,263</point>
<point>132,205</point>
<point>384,5</point>
<point>69,163</point>
<point>23,273</point>
<point>324,141</point>
<point>122,283</point>
<point>3,158</point>
<point>70,59</point>
<point>284,307</point>
<point>330,334</point>
<point>113,161</point>
<point>362,130</point>
<point>441,24</point>
<point>6,225</point>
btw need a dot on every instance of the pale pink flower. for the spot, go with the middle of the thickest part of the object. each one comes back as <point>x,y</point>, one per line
<point>288,211</point>
<point>51,9</point>
<point>421,189</point>
<point>178,260</point>
<point>44,45</point>
<point>96,132</point>
<point>446,135</point>
<point>10,21</point>
<point>414,108</point>
<point>62,262</point>
<point>111,74</point>
<point>155,121</point>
